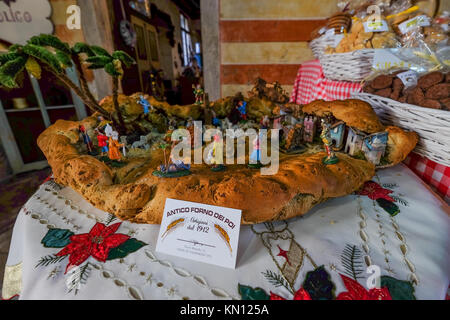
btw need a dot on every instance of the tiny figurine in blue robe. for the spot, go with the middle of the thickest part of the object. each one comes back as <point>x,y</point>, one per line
<point>256,154</point>
<point>216,122</point>
<point>242,107</point>
<point>86,138</point>
<point>145,104</point>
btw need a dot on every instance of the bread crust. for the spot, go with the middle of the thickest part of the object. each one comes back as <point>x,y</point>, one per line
<point>303,181</point>
<point>355,113</point>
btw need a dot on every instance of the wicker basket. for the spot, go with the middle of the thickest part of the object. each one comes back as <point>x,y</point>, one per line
<point>350,66</point>
<point>319,45</point>
<point>433,126</point>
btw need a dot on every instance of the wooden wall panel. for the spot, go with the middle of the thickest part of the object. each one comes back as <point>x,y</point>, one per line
<point>268,30</point>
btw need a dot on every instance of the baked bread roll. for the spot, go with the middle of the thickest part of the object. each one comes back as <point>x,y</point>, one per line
<point>132,193</point>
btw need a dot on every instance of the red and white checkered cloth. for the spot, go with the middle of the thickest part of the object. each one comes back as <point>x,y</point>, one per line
<point>311,85</point>
<point>436,175</point>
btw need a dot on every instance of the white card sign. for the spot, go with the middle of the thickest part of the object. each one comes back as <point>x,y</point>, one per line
<point>22,19</point>
<point>376,26</point>
<point>200,232</point>
<point>409,78</point>
<point>419,21</point>
<point>385,59</point>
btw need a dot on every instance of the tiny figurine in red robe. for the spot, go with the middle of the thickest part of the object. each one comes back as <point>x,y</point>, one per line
<point>102,142</point>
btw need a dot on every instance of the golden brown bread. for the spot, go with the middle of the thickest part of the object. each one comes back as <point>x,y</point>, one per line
<point>355,113</point>
<point>400,143</point>
<point>303,181</point>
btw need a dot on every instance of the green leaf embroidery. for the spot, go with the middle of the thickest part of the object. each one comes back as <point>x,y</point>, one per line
<point>47,260</point>
<point>57,238</point>
<point>390,185</point>
<point>351,259</point>
<point>388,206</point>
<point>277,280</point>
<point>110,218</point>
<point>399,289</point>
<point>129,246</point>
<point>400,200</point>
<point>248,293</point>
<point>79,277</point>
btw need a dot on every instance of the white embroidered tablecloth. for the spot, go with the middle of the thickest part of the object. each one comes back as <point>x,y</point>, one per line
<point>396,224</point>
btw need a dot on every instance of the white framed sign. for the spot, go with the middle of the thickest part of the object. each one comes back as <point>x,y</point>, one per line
<point>200,232</point>
<point>22,19</point>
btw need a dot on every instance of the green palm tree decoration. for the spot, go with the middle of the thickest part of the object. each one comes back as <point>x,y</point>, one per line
<point>77,50</point>
<point>43,51</point>
<point>112,64</point>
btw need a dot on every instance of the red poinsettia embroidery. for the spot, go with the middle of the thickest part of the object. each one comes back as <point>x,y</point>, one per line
<point>301,294</point>
<point>358,292</point>
<point>97,243</point>
<point>374,191</point>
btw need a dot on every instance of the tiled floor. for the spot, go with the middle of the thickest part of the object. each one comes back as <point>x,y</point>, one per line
<point>13,195</point>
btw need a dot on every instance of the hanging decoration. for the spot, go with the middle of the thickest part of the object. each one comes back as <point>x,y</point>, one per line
<point>126,29</point>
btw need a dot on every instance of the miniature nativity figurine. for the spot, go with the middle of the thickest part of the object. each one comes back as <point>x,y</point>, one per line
<point>331,157</point>
<point>114,147</point>
<point>198,93</point>
<point>255,157</point>
<point>171,168</point>
<point>103,123</point>
<point>265,122</point>
<point>145,104</point>
<point>242,107</point>
<point>215,154</point>
<point>86,139</point>
<point>102,142</point>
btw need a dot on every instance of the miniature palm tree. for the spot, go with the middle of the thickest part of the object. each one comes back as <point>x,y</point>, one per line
<point>77,50</point>
<point>49,52</point>
<point>45,51</point>
<point>112,64</point>
<point>164,146</point>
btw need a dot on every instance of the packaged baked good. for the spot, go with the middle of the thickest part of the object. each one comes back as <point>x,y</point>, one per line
<point>424,38</point>
<point>368,33</point>
<point>340,22</point>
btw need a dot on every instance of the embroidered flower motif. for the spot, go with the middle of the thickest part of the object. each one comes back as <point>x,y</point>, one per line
<point>97,243</point>
<point>358,292</point>
<point>301,294</point>
<point>374,191</point>
<point>381,195</point>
